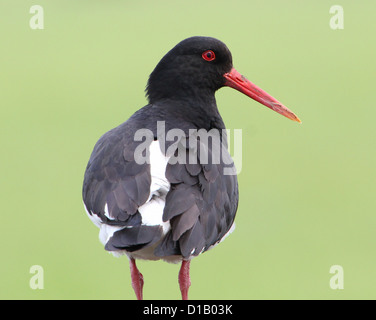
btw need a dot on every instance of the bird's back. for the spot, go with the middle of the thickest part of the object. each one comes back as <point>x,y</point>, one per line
<point>177,202</point>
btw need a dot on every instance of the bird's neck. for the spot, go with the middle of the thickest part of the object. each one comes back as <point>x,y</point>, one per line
<point>200,111</point>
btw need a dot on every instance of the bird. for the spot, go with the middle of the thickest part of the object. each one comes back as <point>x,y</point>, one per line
<point>155,185</point>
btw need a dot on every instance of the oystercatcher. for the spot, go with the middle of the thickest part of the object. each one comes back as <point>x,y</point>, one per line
<point>153,192</point>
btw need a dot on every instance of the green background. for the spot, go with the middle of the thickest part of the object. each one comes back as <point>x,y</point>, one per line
<point>307,192</point>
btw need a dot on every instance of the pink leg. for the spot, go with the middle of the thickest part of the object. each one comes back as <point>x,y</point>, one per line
<point>184,279</point>
<point>137,279</point>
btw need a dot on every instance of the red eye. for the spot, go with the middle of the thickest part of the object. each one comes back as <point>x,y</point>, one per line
<point>208,55</point>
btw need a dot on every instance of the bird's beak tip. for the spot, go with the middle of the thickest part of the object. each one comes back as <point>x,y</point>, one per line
<point>237,81</point>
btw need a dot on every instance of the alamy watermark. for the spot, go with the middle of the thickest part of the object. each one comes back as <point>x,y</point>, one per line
<point>37,280</point>
<point>337,280</point>
<point>336,21</point>
<point>197,146</point>
<point>37,19</point>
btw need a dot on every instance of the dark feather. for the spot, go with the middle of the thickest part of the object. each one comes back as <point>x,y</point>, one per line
<point>184,222</point>
<point>134,238</point>
<point>178,200</point>
<point>167,247</point>
<point>202,210</point>
<point>192,240</point>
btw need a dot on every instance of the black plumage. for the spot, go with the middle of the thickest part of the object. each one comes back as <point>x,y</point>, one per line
<point>181,94</point>
<point>122,184</point>
<point>191,205</point>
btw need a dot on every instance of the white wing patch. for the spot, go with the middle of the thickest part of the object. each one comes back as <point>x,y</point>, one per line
<point>106,213</point>
<point>158,163</point>
<point>105,231</point>
<point>152,211</point>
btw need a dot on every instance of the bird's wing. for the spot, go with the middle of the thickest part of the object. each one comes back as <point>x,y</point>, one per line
<point>202,201</point>
<point>114,188</point>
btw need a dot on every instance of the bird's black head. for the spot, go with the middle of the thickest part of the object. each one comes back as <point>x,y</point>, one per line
<point>194,68</point>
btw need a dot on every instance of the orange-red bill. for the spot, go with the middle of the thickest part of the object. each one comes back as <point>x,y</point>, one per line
<point>235,80</point>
